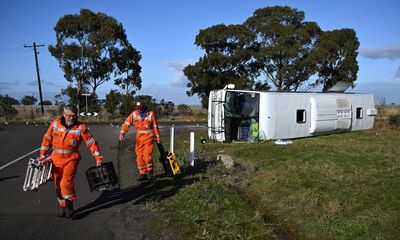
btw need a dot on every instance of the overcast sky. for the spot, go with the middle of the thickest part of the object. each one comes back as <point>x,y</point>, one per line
<point>164,32</point>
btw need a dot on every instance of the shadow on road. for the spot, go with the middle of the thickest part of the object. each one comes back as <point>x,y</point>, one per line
<point>10,177</point>
<point>157,189</point>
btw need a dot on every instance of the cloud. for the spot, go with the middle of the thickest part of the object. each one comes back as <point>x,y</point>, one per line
<point>43,83</point>
<point>391,53</point>
<point>47,95</point>
<point>48,83</point>
<point>4,85</point>
<point>177,67</point>
<point>8,85</point>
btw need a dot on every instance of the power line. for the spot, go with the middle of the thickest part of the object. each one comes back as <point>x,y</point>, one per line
<point>35,50</point>
<point>16,26</point>
<point>9,39</point>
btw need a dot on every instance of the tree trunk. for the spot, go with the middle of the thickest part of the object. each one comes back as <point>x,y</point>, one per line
<point>78,99</point>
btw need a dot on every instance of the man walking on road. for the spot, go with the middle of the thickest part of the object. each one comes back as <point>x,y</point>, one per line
<point>62,139</point>
<point>146,129</point>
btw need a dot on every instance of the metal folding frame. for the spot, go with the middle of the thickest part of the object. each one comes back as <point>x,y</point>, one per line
<point>37,173</point>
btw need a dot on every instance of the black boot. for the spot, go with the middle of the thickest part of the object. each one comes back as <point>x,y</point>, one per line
<point>62,212</point>
<point>69,209</point>
<point>142,177</point>
<point>149,175</point>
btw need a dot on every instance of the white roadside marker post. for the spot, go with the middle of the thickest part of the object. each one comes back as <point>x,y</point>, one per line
<point>191,150</point>
<point>171,140</point>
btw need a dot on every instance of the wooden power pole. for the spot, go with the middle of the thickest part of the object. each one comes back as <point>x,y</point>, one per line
<point>37,70</point>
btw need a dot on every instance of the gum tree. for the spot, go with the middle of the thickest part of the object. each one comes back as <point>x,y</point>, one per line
<point>227,53</point>
<point>284,46</point>
<point>337,58</point>
<point>87,45</point>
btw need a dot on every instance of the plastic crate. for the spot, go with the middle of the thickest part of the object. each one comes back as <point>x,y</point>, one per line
<point>102,177</point>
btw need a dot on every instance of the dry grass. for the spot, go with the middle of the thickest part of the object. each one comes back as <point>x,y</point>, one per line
<point>387,110</point>
<point>33,113</point>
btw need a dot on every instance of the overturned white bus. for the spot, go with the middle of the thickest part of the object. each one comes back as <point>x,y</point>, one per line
<point>286,115</point>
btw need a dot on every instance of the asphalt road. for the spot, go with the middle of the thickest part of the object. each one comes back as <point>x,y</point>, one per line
<point>34,215</point>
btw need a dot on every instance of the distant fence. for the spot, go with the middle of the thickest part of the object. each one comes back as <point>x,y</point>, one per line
<point>34,112</point>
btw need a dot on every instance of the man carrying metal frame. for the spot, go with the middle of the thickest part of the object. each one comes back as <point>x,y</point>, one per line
<point>63,137</point>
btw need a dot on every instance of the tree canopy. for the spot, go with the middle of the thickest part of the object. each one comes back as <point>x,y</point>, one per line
<point>184,109</point>
<point>337,53</point>
<point>275,47</point>
<point>284,46</point>
<point>113,101</point>
<point>165,108</point>
<point>68,95</point>
<point>128,69</point>
<point>88,48</point>
<point>7,110</point>
<point>228,51</point>
<point>28,100</point>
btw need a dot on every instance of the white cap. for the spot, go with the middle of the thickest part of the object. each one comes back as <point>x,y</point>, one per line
<point>139,105</point>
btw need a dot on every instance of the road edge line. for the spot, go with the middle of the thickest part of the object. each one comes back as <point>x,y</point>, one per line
<point>16,160</point>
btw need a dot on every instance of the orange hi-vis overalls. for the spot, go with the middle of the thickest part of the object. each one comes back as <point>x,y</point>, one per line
<point>146,129</point>
<point>64,143</point>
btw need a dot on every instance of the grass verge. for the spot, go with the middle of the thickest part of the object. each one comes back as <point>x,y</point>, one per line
<point>340,186</point>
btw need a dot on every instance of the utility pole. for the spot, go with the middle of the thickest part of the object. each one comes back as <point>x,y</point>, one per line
<point>37,70</point>
<point>86,95</point>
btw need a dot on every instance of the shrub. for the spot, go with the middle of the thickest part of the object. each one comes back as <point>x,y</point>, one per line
<point>394,120</point>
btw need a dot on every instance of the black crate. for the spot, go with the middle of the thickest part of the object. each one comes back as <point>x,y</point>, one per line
<point>102,177</point>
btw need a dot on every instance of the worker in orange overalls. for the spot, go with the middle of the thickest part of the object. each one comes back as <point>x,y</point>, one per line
<point>146,130</point>
<point>62,139</point>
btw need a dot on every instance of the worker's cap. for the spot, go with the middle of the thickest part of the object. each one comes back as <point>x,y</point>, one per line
<point>139,105</point>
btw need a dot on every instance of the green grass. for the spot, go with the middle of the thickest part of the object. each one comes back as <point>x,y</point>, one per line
<point>208,210</point>
<point>331,187</point>
<point>340,186</point>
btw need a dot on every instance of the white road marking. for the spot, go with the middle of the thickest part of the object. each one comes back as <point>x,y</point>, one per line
<point>16,160</point>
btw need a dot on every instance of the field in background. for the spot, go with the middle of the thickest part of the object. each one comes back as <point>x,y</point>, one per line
<point>33,113</point>
<point>387,110</point>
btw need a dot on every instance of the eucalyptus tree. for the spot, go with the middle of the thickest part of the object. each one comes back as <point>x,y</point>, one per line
<point>113,101</point>
<point>184,109</point>
<point>274,43</point>
<point>285,44</point>
<point>227,53</point>
<point>275,47</point>
<point>337,58</point>
<point>165,108</point>
<point>84,46</point>
<point>128,69</point>
<point>69,95</point>
<point>7,110</point>
<point>28,100</point>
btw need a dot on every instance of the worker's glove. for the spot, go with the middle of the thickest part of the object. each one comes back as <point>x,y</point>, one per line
<point>99,162</point>
<point>121,137</point>
<point>44,158</point>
